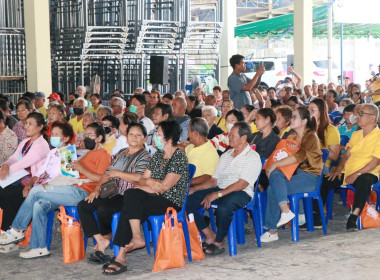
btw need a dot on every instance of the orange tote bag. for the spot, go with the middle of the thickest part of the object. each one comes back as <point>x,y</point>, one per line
<point>28,234</point>
<point>1,218</point>
<point>370,217</point>
<point>72,238</point>
<point>283,150</point>
<point>169,253</point>
<point>195,242</point>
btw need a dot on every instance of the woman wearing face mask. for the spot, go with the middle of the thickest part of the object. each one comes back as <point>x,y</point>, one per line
<point>79,107</point>
<point>61,133</point>
<point>163,184</point>
<point>91,168</point>
<point>327,133</point>
<point>338,122</point>
<point>56,114</point>
<point>127,167</point>
<point>221,141</point>
<point>111,126</point>
<point>348,128</point>
<point>29,155</point>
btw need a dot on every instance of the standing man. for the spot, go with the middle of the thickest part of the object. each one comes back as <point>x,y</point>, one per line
<point>239,84</point>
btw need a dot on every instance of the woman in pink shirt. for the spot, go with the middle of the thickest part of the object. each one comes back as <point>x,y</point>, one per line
<point>29,155</point>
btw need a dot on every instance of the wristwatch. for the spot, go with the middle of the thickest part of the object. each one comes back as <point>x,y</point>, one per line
<point>220,194</point>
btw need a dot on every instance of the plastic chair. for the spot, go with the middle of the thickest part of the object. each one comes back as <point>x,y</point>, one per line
<point>156,223</point>
<point>376,188</point>
<point>236,232</point>
<point>330,198</point>
<point>307,198</point>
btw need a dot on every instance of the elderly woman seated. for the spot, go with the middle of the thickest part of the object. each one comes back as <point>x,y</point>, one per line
<point>47,198</point>
<point>163,184</point>
<point>126,169</point>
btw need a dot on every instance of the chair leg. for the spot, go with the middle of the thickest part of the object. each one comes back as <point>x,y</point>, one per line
<point>156,228</point>
<point>240,234</point>
<point>146,236</point>
<point>256,223</point>
<point>321,211</point>
<point>115,221</point>
<point>294,223</point>
<point>49,228</point>
<point>343,196</point>
<point>232,244</point>
<point>329,204</point>
<point>245,217</point>
<point>308,207</point>
<point>261,208</point>
<point>187,239</point>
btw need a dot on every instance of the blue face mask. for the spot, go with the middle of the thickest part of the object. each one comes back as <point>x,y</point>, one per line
<point>55,142</point>
<point>133,109</point>
<point>158,143</point>
<point>71,109</point>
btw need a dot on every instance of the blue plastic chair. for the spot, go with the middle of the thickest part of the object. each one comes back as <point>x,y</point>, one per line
<point>307,198</point>
<point>156,223</point>
<point>376,188</point>
<point>236,232</point>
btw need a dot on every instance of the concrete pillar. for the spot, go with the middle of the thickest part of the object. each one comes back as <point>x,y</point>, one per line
<point>37,41</point>
<point>227,44</point>
<point>303,39</point>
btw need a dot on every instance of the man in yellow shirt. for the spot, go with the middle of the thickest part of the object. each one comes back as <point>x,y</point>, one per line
<point>40,103</point>
<point>201,152</point>
<point>359,165</point>
<point>79,106</point>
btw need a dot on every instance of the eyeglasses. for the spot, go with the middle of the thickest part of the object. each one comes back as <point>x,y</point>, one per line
<point>361,113</point>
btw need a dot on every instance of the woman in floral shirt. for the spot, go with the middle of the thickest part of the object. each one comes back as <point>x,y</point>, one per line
<point>8,140</point>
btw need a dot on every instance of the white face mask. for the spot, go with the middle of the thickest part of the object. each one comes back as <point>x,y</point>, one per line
<point>353,119</point>
<point>340,109</point>
<point>229,126</point>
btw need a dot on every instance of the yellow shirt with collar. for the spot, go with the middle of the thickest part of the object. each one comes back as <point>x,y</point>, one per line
<point>376,85</point>
<point>77,125</point>
<point>363,149</point>
<point>332,138</point>
<point>204,157</point>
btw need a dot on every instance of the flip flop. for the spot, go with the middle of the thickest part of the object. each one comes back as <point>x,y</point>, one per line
<point>214,250</point>
<point>99,257</point>
<point>205,245</point>
<point>122,268</point>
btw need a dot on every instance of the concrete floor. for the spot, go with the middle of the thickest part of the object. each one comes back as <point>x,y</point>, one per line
<point>338,255</point>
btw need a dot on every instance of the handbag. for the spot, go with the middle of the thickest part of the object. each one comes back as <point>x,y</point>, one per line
<point>111,187</point>
<point>370,217</point>
<point>72,238</point>
<point>195,241</point>
<point>281,151</point>
<point>169,253</point>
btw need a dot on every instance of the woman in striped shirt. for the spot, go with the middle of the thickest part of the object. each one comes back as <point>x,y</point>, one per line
<point>126,168</point>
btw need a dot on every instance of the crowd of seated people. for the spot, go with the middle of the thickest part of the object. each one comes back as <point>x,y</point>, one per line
<point>144,143</point>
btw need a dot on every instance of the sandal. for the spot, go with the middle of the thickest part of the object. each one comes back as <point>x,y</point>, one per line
<point>213,250</point>
<point>98,257</point>
<point>122,268</point>
<point>111,261</point>
<point>205,245</point>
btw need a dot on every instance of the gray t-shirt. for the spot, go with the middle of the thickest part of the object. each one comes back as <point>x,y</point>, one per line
<point>235,84</point>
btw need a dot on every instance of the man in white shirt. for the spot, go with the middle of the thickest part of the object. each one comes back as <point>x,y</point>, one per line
<point>231,187</point>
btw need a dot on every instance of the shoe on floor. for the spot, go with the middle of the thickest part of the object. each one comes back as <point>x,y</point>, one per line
<point>285,218</point>
<point>11,236</point>
<point>301,219</point>
<point>268,237</point>
<point>8,248</point>
<point>35,253</point>
<point>351,223</point>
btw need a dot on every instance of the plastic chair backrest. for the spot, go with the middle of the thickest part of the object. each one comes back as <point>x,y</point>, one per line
<point>325,155</point>
<point>192,169</point>
<point>344,140</point>
<point>255,194</point>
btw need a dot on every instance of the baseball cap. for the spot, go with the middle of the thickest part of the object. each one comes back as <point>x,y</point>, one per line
<point>55,96</point>
<point>39,94</point>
